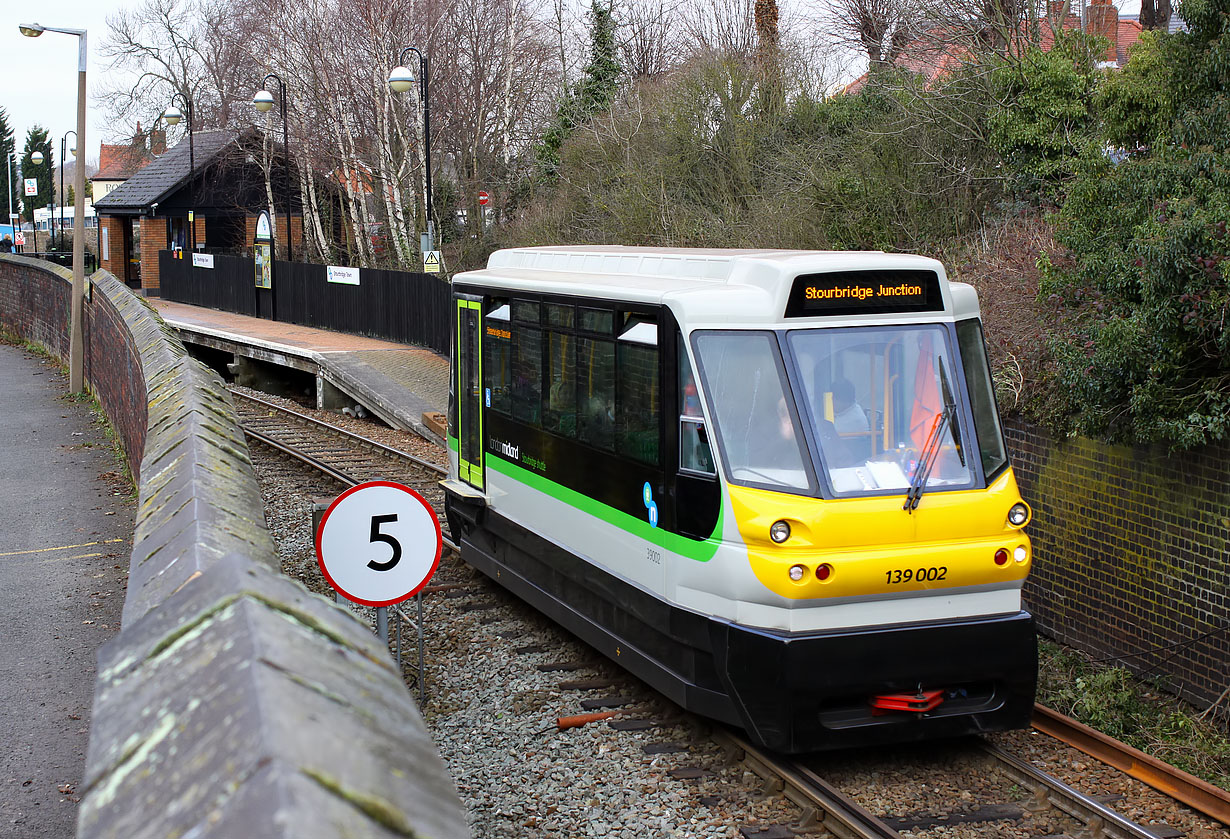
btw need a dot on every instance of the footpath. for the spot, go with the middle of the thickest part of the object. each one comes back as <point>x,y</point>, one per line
<point>66,525</point>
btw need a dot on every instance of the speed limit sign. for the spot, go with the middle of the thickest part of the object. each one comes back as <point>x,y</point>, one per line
<point>378,543</point>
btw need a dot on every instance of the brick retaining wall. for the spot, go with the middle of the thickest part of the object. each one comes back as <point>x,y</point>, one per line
<point>1131,555</point>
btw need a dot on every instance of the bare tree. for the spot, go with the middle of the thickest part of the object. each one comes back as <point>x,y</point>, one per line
<point>649,37</point>
<point>725,27</point>
<point>191,47</point>
<point>880,28</point>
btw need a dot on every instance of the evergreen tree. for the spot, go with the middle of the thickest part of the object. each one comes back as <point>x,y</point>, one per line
<point>1143,284</point>
<point>591,95</point>
<point>8,149</point>
<point>37,140</point>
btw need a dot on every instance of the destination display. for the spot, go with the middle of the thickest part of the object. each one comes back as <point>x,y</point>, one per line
<point>864,292</point>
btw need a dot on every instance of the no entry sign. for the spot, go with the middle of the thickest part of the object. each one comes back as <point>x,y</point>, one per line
<point>378,543</point>
<point>483,199</point>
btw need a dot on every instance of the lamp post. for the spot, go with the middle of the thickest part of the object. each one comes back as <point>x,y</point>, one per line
<point>263,102</point>
<point>76,350</point>
<point>9,162</point>
<point>402,79</point>
<point>173,116</point>
<point>63,155</point>
<point>36,159</point>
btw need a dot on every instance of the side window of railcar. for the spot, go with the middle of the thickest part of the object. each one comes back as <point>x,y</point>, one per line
<point>757,422</point>
<point>694,453</point>
<point>638,414</point>
<point>596,383</point>
<point>982,395</point>
<point>526,363</point>
<point>560,415</point>
<point>497,356</point>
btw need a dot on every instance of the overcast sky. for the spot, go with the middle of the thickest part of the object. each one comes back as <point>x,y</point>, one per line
<point>38,76</point>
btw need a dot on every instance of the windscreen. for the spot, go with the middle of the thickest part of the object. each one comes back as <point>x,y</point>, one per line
<point>757,424</point>
<point>878,400</point>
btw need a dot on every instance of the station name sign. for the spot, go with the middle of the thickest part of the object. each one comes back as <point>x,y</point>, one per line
<point>864,292</point>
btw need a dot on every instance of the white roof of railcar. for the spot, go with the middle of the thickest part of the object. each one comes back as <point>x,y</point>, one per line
<point>709,284</point>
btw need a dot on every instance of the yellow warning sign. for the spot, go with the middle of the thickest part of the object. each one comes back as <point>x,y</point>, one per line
<point>432,263</point>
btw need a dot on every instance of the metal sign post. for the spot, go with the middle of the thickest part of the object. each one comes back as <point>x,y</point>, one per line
<point>378,544</point>
<point>262,252</point>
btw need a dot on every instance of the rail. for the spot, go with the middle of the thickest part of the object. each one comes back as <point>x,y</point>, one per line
<point>1195,793</point>
<point>823,804</point>
<point>342,477</point>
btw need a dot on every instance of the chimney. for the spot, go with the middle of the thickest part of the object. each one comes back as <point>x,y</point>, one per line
<point>157,142</point>
<point>1104,21</point>
<point>138,139</point>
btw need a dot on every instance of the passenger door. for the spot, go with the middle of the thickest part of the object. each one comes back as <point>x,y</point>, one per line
<point>469,388</point>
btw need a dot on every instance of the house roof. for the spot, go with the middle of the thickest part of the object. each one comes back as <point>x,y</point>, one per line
<point>120,162</point>
<point>168,173</point>
<point>1127,33</point>
<point>932,57</point>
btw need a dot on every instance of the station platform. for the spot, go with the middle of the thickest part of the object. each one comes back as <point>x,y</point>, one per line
<point>405,386</point>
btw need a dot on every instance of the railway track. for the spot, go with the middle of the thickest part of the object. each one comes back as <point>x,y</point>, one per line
<point>350,458</point>
<point>826,808</point>
<point>344,456</point>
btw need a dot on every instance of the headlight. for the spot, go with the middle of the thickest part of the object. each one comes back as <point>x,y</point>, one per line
<point>797,572</point>
<point>1018,515</point>
<point>1020,554</point>
<point>779,532</point>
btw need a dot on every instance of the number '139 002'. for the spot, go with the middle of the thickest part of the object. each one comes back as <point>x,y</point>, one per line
<point>933,573</point>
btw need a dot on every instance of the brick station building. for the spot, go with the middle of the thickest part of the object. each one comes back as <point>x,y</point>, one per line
<point>224,194</point>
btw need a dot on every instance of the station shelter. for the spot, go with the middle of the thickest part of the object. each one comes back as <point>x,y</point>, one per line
<point>204,197</point>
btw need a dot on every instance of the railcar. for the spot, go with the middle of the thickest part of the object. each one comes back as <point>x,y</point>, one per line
<point>771,484</point>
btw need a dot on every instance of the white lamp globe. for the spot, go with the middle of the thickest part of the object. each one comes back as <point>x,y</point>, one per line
<point>401,79</point>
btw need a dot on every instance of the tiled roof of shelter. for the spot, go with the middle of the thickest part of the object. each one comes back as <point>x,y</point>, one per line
<point>169,172</point>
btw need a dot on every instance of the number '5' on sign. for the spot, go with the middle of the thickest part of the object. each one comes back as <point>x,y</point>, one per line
<point>378,543</point>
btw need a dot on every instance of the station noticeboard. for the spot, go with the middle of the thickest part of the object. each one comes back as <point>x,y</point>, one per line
<point>262,250</point>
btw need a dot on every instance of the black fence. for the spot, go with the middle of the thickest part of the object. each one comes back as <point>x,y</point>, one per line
<point>65,258</point>
<point>401,306</point>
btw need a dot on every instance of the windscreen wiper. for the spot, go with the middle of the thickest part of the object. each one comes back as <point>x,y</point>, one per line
<point>931,451</point>
<point>926,460</point>
<point>950,407</point>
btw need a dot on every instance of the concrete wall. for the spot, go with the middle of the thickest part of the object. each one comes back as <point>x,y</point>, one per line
<point>233,702</point>
<point>1131,554</point>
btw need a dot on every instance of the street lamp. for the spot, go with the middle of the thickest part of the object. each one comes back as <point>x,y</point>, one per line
<point>76,353</point>
<point>63,157</point>
<point>173,115</point>
<point>8,159</point>
<point>263,102</point>
<point>401,80</point>
<point>36,159</point>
